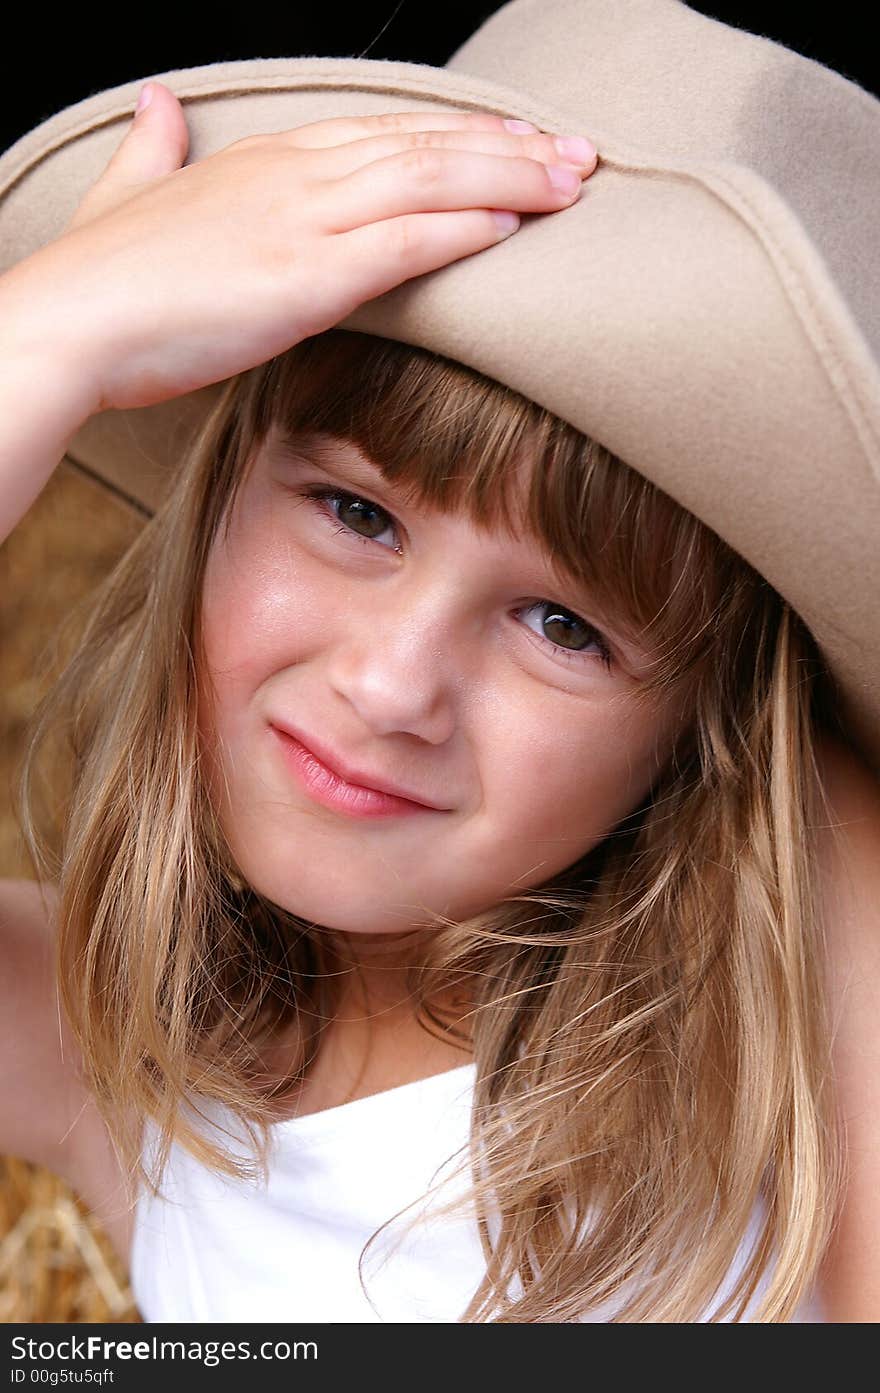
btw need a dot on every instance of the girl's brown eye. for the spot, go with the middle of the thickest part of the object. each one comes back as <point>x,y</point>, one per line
<point>565,629</point>
<point>570,636</point>
<point>354,512</point>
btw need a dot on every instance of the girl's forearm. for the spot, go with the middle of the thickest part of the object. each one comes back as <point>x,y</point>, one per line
<point>45,396</point>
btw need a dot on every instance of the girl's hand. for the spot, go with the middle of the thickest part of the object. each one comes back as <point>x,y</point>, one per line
<point>170,277</point>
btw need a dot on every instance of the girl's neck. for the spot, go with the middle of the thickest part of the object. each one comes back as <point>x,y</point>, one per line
<point>376,1039</point>
<point>376,979</point>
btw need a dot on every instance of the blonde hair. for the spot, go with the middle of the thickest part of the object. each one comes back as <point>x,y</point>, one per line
<point>649,1028</point>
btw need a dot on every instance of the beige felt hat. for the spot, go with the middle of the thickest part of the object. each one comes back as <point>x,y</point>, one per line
<point>709,309</point>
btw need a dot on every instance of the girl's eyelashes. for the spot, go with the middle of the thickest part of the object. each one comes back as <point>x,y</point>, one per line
<point>354,508</point>
<point>325,496</point>
<point>569,622</point>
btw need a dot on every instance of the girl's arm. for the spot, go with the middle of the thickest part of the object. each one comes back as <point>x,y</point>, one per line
<point>849,866</point>
<point>41,1097</point>
<point>44,395</point>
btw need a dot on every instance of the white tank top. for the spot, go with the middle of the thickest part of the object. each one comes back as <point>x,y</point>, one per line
<point>211,1248</point>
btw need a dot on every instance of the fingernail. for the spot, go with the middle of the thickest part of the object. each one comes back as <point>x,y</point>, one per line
<point>505,221</point>
<point>520,127</point>
<point>144,99</point>
<point>575,148</point>
<point>566,180</point>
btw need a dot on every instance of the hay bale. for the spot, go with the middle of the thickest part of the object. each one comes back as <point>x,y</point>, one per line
<point>56,1262</point>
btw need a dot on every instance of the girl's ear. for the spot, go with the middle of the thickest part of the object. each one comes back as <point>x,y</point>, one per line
<point>155,144</point>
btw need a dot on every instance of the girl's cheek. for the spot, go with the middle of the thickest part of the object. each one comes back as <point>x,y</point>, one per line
<point>266,605</point>
<point>585,772</point>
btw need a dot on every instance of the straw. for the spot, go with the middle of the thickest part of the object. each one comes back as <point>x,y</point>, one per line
<point>56,1262</point>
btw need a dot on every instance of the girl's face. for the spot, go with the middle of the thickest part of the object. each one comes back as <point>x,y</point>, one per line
<point>414,650</point>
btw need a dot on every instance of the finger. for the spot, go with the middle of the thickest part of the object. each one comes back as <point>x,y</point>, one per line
<point>340,160</point>
<point>155,143</point>
<point>371,259</point>
<point>433,181</point>
<point>340,130</point>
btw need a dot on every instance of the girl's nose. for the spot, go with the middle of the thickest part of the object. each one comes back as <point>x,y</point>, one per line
<point>395,668</point>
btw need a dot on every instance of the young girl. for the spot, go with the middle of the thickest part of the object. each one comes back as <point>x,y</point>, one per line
<point>451,915</point>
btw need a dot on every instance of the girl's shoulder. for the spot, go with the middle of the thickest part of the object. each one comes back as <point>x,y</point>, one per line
<point>47,1114</point>
<point>848,857</point>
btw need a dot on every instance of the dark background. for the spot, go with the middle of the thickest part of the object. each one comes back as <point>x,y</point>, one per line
<point>57,61</point>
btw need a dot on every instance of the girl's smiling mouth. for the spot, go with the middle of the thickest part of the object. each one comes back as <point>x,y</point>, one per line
<point>326,786</point>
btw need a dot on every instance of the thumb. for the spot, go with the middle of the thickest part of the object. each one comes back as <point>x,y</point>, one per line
<point>157,140</point>
<point>155,143</point>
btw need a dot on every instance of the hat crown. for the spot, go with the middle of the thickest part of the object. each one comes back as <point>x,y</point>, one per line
<point>662,77</point>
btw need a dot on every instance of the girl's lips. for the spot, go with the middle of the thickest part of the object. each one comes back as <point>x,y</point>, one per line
<point>332,791</point>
